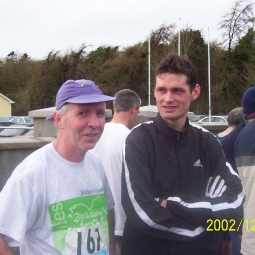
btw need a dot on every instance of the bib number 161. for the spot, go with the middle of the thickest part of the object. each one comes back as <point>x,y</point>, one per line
<point>85,241</point>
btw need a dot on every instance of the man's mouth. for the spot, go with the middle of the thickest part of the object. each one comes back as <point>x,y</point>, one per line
<point>169,107</point>
<point>91,135</point>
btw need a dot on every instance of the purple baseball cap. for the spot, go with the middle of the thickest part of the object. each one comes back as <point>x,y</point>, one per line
<point>79,92</point>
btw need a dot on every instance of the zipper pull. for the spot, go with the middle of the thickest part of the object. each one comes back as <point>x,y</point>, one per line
<point>178,136</point>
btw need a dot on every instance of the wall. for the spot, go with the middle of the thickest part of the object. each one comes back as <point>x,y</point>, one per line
<point>14,150</point>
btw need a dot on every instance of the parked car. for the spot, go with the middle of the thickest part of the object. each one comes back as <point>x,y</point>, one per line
<point>16,129</point>
<point>213,119</point>
<point>198,117</point>
<point>21,119</point>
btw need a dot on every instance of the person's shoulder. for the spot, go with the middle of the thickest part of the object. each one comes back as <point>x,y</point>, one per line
<point>247,134</point>
<point>200,130</point>
<point>203,134</point>
<point>142,128</point>
<point>112,127</point>
<point>141,132</point>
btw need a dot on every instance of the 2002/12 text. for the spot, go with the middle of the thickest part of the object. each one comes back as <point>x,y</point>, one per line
<point>230,225</point>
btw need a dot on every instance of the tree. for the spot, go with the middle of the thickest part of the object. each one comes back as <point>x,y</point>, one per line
<point>236,22</point>
<point>243,62</point>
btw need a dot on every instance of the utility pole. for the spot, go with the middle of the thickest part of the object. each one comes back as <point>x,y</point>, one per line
<point>209,78</point>
<point>149,71</point>
<point>179,39</point>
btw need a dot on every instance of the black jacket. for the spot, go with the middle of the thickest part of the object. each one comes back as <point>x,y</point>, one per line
<point>163,163</point>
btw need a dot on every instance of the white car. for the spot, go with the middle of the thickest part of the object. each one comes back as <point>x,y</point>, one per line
<point>213,119</point>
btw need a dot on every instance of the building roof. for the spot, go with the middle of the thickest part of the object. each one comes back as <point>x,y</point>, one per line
<point>8,99</point>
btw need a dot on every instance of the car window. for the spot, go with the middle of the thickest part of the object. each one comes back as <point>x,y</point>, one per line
<point>218,119</point>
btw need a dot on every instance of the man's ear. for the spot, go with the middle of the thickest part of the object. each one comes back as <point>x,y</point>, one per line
<point>195,92</point>
<point>133,109</point>
<point>58,120</point>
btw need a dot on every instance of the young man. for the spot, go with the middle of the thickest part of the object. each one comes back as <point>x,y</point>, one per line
<point>110,149</point>
<point>58,199</point>
<point>176,184</point>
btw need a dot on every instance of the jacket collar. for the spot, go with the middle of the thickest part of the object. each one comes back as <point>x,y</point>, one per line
<point>161,125</point>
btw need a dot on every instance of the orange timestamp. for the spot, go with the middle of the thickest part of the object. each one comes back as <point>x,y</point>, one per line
<point>230,225</point>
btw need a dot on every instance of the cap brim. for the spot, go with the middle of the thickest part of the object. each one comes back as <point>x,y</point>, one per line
<point>86,99</point>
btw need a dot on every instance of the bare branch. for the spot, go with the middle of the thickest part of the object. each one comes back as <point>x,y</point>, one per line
<point>236,22</point>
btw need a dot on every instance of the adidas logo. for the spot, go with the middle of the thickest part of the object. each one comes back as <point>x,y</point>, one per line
<point>198,163</point>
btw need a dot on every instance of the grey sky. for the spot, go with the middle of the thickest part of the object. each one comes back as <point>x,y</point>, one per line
<point>36,27</point>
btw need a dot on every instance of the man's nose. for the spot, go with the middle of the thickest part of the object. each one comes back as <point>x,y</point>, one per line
<point>94,121</point>
<point>169,97</point>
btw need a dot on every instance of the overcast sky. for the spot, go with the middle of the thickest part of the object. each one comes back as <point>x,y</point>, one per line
<point>36,27</point>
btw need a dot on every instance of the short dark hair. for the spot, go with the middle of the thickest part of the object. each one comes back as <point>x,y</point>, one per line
<point>235,116</point>
<point>125,100</point>
<point>175,64</point>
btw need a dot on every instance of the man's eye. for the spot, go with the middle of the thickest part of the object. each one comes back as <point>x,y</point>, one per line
<point>82,113</point>
<point>100,114</point>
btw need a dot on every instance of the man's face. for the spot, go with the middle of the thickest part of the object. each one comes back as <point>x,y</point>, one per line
<point>83,125</point>
<point>173,97</point>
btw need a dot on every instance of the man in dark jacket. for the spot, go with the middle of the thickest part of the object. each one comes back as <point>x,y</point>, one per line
<point>178,191</point>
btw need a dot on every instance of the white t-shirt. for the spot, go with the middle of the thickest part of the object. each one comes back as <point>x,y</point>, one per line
<point>110,149</point>
<point>52,206</point>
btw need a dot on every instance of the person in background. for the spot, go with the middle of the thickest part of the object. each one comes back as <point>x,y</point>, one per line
<point>231,244</point>
<point>110,149</point>
<point>176,181</point>
<point>245,161</point>
<point>58,200</point>
<point>228,146</point>
<point>234,118</point>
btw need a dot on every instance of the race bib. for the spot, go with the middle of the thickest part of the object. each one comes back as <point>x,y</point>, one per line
<point>79,225</point>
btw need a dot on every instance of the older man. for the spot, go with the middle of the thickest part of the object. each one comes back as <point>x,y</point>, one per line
<point>57,200</point>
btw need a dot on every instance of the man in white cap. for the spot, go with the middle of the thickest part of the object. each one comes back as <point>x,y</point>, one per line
<point>58,201</point>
